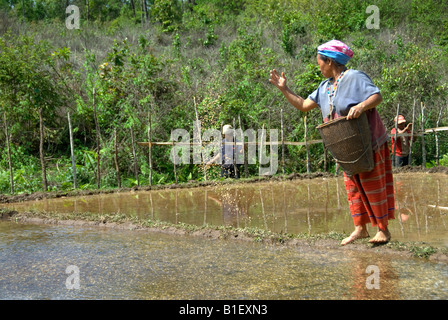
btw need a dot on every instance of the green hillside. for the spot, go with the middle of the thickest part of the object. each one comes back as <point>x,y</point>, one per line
<point>134,63</point>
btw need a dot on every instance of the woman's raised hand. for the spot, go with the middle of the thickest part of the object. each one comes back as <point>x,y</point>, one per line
<point>278,81</point>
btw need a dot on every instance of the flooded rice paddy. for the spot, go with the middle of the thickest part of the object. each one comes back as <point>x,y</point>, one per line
<point>121,264</point>
<point>300,206</point>
<point>131,265</point>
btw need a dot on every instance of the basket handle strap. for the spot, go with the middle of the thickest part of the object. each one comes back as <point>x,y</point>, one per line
<point>353,161</point>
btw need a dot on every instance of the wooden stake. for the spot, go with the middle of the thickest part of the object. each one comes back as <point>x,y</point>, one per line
<point>283,141</point>
<point>97,127</point>
<point>423,136</point>
<point>308,167</point>
<point>200,138</point>
<point>235,168</point>
<point>72,150</point>
<point>412,134</point>
<point>174,163</point>
<point>437,136</point>
<point>261,150</point>
<point>150,147</point>
<point>11,175</point>
<point>396,133</point>
<point>41,152</point>
<point>117,167</point>
<point>135,157</point>
<point>246,169</point>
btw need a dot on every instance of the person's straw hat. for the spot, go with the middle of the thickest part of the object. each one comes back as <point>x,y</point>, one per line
<point>401,119</point>
<point>227,129</point>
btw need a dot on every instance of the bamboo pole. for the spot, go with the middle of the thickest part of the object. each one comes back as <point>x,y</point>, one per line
<point>41,151</point>
<point>261,150</point>
<point>246,169</point>
<point>263,212</point>
<point>283,141</point>
<point>150,147</point>
<point>72,151</point>
<point>117,168</point>
<point>235,167</point>
<point>412,134</point>
<point>200,137</point>
<point>266,143</point>
<point>97,127</point>
<point>284,208</point>
<point>396,135</point>
<point>174,168</point>
<point>437,136</point>
<point>205,207</point>
<point>423,136</point>
<point>11,174</point>
<point>134,154</point>
<point>152,204</point>
<point>308,211</point>
<point>308,167</point>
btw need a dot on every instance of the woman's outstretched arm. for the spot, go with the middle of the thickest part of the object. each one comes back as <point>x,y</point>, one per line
<point>298,102</point>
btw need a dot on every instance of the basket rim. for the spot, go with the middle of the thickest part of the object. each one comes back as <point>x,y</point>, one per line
<point>334,121</point>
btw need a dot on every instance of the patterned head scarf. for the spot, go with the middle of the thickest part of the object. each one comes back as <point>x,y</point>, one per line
<point>336,50</point>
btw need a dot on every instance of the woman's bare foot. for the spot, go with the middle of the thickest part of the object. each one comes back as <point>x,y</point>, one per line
<point>359,233</point>
<point>381,237</point>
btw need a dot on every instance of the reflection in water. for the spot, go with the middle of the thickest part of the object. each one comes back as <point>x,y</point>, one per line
<point>364,284</point>
<point>140,265</point>
<point>300,206</point>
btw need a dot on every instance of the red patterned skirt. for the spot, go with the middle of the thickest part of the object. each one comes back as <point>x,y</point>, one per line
<point>371,194</point>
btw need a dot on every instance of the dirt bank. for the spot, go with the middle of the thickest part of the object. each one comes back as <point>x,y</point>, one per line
<point>329,241</point>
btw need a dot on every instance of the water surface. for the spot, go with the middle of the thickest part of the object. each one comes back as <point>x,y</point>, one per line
<point>141,265</point>
<point>300,206</point>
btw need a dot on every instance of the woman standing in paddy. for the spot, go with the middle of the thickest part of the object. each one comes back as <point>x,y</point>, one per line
<point>350,93</point>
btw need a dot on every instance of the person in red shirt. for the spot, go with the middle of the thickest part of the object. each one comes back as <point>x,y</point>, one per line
<point>402,147</point>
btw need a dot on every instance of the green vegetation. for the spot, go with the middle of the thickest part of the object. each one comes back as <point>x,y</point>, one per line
<point>138,64</point>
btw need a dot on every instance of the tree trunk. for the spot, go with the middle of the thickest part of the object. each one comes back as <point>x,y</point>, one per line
<point>133,7</point>
<point>145,8</point>
<point>11,175</point>
<point>191,4</point>
<point>41,152</point>
<point>142,11</point>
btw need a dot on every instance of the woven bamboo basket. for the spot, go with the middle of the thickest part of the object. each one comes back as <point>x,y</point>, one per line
<point>349,143</point>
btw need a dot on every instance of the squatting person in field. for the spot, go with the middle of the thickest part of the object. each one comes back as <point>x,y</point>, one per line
<point>349,92</point>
